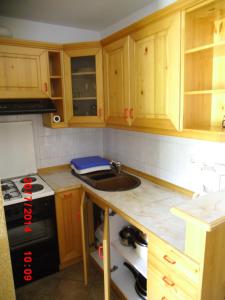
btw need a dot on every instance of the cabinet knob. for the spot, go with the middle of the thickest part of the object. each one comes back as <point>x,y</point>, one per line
<point>164,298</point>
<point>100,252</point>
<point>67,195</point>
<point>142,92</point>
<point>45,87</point>
<point>99,112</point>
<point>131,113</point>
<point>169,260</point>
<point>168,281</point>
<point>115,72</point>
<point>126,113</point>
<point>146,50</point>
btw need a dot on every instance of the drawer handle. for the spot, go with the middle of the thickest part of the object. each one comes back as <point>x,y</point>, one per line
<point>169,260</point>
<point>66,196</point>
<point>100,252</point>
<point>168,281</point>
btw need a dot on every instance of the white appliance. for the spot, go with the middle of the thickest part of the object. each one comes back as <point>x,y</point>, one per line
<point>17,160</point>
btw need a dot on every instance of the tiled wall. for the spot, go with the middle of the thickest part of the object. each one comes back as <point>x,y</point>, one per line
<point>59,146</point>
<point>185,162</point>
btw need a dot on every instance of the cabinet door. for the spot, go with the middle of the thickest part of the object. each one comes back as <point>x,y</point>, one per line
<point>84,86</point>
<point>23,72</point>
<point>69,226</point>
<point>155,75</point>
<point>116,80</point>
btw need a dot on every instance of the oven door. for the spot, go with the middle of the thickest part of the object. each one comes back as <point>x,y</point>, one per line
<point>41,230</point>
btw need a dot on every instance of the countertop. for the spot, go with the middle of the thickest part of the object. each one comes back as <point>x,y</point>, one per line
<point>157,209</point>
<point>149,204</point>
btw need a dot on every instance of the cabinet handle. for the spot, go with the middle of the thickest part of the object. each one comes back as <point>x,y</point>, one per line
<point>100,252</point>
<point>126,113</point>
<point>169,260</point>
<point>100,112</point>
<point>131,113</point>
<point>68,195</point>
<point>45,87</point>
<point>168,281</point>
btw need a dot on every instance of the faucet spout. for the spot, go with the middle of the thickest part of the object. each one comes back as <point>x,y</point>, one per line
<point>116,165</point>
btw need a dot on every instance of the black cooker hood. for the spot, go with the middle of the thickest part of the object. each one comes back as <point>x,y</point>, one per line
<point>26,106</point>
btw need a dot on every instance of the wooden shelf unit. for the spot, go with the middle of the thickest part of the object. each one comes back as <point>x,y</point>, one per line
<point>204,58</point>
<point>56,89</point>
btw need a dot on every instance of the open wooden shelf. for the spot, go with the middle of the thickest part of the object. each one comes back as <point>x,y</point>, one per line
<point>205,92</point>
<point>83,73</point>
<point>216,46</point>
<point>84,98</point>
<point>204,76</point>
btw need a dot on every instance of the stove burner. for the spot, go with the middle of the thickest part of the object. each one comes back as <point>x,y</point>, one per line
<point>31,179</point>
<point>9,190</point>
<point>35,188</point>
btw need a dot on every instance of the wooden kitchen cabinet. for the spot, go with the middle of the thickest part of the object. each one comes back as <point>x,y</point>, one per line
<point>117,82</point>
<point>155,74</point>
<point>84,85</point>
<point>23,72</point>
<point>69,226</point>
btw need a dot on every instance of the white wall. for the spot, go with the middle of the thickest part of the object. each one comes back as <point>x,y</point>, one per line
<point>58,146</point>
<point>185,162</point>
<point>147,10</point>
<point>37,31</point>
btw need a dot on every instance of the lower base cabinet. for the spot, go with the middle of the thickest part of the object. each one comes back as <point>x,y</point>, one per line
<point>69,226</point>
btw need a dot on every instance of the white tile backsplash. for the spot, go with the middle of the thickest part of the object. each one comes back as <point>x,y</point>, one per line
<point>186,162</point>
<point>59,146</point>
<point>177,160</point>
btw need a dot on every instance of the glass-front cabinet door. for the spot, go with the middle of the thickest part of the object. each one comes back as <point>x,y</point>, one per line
<point>84,86</point>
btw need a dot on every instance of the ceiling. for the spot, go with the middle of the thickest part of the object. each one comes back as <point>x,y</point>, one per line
<point>87,14</point>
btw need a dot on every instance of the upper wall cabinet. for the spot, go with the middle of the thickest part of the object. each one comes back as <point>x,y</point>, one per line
<point>84,86</point>
<point>155,75</point>
<point>116,82</point>
<point>23,72</point>
<point>204,68</point>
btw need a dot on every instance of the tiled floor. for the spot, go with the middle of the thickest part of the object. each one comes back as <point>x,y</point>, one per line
<point>66,285</point>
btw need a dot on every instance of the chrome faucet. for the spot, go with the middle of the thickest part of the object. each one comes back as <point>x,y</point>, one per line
<point>116,165</point>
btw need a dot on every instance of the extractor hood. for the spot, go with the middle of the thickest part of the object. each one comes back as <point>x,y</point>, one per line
<point>26,106</point>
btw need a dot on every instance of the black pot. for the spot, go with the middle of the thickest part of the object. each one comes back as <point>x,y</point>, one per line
<point>140,282</point>
<point>127,236</point>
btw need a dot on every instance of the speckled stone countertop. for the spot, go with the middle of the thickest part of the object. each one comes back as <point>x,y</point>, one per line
<point>149,205</point>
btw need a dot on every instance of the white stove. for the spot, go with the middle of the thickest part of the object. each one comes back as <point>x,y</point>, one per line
<point>13,189</point>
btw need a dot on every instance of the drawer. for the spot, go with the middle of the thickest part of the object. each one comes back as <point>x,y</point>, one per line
<point>158,290</point>
<point>171,281</point>
<point>176,261</point>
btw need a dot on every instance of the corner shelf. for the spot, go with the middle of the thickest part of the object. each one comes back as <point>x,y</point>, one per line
<point>56,89</point>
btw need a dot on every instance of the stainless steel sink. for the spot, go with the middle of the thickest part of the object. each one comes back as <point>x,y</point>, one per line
<point>110,181</point>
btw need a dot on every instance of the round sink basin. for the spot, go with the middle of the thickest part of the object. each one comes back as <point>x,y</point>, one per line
<point>120,182</point>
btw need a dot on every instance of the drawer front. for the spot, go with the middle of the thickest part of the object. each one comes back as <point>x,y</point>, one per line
<point>176,284</point>
<point>175,261</point>
<point>158,290</point>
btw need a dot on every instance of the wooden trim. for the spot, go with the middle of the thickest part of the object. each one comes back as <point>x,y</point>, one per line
<point>106,254</point>
<point>53,169</point>
<point>29,43</point>
<point>84,237</point>
<point>208,135</point>
<point>83,45</point>
<point>159,181</point>
<point>178,5</point>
